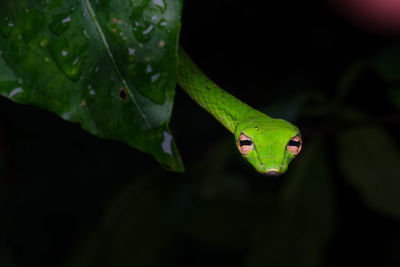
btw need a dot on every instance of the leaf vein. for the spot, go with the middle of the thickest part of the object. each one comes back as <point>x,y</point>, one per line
<point>96,23</point>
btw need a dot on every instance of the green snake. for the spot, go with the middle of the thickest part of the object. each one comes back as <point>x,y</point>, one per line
<point>268,144</point>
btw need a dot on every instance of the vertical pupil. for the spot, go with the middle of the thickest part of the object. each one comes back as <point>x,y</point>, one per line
<point>245,143</point>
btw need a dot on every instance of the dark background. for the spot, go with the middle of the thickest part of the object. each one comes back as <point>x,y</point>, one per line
<point>68,198</point>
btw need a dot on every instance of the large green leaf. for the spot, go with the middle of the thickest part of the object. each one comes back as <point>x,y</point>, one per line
<point>108,64</point>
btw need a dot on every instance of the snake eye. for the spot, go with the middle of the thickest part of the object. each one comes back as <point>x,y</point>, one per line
<point>294,145</point>
<point>245,144</point>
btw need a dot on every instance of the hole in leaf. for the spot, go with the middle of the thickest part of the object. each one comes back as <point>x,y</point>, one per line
<point>122,94</point>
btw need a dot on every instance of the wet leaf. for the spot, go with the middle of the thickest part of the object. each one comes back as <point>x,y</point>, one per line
<point>102,64</point>
<point>369,159</point>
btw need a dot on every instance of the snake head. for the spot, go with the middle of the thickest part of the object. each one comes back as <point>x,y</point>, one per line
<point>268,144</point>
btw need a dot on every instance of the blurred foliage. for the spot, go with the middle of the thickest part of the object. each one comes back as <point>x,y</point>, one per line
<point>375,175</point>
<point>70,199</point>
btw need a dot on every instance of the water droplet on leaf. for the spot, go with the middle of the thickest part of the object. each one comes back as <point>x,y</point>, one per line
<point>148,30</point>
<point>69,55</point>
<point>149,69</point>
<point>144,19</point>
<point>155,77</point>
<point>162,4</point>
<point>84,32</point>
<point>6,26</point>
<point>167,143</point>
<point>60,23</point>
<point>151,82</point>
<point>131,54</point>
<point>15,91</point>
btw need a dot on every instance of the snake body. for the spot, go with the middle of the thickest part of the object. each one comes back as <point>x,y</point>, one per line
<point>266,143</point>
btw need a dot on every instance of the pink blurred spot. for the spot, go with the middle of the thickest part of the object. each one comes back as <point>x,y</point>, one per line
<point>380,16</point>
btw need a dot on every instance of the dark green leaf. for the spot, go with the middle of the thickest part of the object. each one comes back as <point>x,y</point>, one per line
<point>109,65</point>
<point>394,96</point>
<point>219,212</point>
<point>369,159</point>
<point>135,229</point>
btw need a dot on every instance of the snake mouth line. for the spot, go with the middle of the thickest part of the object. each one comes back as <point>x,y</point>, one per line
<point>272,173</point>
